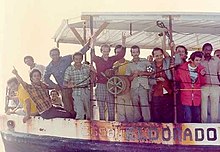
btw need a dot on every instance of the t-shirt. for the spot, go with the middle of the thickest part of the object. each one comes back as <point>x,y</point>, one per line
<point>193,74</point>
<point>121,67</point>
<point>24,95</point>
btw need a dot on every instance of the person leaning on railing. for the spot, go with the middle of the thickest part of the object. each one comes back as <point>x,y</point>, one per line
<point>40,95</point>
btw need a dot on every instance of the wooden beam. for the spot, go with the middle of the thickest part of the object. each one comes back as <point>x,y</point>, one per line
<point>101,28</point>
<point>73,29</point>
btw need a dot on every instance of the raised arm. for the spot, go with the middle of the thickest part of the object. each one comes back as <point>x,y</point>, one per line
<point>28,110</point>
<point>85,47</point>
<point>47,79</point>
<point>20,80</point>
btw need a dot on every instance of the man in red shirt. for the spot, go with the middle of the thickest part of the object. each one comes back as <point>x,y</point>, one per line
<point>191,76</point>
<point>103,63</point>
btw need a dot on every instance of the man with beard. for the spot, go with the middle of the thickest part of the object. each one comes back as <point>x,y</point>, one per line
<point>212,90</point>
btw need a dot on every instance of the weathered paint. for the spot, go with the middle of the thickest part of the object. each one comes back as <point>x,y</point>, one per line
<point>158,133</point>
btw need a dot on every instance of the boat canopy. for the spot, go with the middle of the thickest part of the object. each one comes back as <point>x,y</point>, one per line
<point>145,29</point>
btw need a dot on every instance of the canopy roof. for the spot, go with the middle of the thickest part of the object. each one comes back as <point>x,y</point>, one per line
<point>189,29</point>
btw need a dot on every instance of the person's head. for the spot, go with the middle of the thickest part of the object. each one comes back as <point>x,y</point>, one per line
<point>35,76</point>
<point>29,60</point>
<point>117,49</point>
<point>105,50</point>
<point>157,54</point>
<point>182,51</point>
<point>196,58</point>
<point>13,84</point>
<point>55,54</point>
<point>135,51</point>
<point>207,50</point>
<point>77,57</point>
<point>54,94</point>
<point>217,53</point>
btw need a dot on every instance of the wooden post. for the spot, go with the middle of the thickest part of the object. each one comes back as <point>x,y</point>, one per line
<point>91,62</point>
<point>164,46</point>
<point>84,38</point>
<point>173,70</point>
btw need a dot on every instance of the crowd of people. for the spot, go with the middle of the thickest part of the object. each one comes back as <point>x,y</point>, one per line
<point>152,84</point>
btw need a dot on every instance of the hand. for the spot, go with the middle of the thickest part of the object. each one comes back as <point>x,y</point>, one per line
<point>70,85</point>
<point>123,39</point>
<point>172,44</point>
<point>26,118</point>
<point>92,41</point>
<point>203,72</point>
<point>150,58</point>
<point>160,79</point>
<point>92,68</point>
<point>14,71</point>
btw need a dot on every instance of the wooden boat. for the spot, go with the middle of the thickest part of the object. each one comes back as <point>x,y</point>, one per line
<point>146,30</point>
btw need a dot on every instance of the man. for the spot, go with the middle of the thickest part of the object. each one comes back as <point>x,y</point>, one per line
<point>103,64</point>
<point>57,68</point>
<point>40,96</point>
<point>211,89</point>
<point>180,58</point>
<point>182,53</point>
<point>191,76</point>
<point>162,91</point>
<point>136,70</point>
<point>24,98</point>
<point>29,60</point>
<point>217,53</point>
<point>125,109</point>
<point>55,97</point>
<point>77,76</point>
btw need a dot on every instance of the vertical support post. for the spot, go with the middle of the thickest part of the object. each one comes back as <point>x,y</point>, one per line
<point>91,62</point>
<point>84,38</point>
<point>164,46</point>
<point>173,70</point>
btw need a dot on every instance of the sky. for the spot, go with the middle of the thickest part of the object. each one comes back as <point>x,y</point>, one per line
<point>27,26</point>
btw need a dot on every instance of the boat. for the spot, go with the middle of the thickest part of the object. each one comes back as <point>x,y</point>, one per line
<point>146,30</point>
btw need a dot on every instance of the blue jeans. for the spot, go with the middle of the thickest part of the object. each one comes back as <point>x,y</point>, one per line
<point>192,114</point>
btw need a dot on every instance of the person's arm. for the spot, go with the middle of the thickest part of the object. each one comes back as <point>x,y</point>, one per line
<point>166,54</point>
<point>47,79</point>
<point>120,55</point>
<point>28,110</point>
<point>66,82</point>
<point>218,70</point>
<point>20,80</point>
<point>129,73</point>
<point>85,48</point>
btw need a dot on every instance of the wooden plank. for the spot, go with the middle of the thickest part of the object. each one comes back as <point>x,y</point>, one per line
<point>101,28</point>
<point>73,29</point>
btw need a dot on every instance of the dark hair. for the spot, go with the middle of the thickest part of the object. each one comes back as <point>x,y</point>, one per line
<point>28,57</point>
<point>117,47</point>
<point>205,45</point>
<point>105,45</point>
<point>135,47</point>
<point>198,54</point>
<point>218,50</point>
<point>54,49</point>
<point>181,46</point>
<point>55,92</point>
<point>32,72</point>
<point>13,79</point>
<point>156,49</point>
<point>77,54</point>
